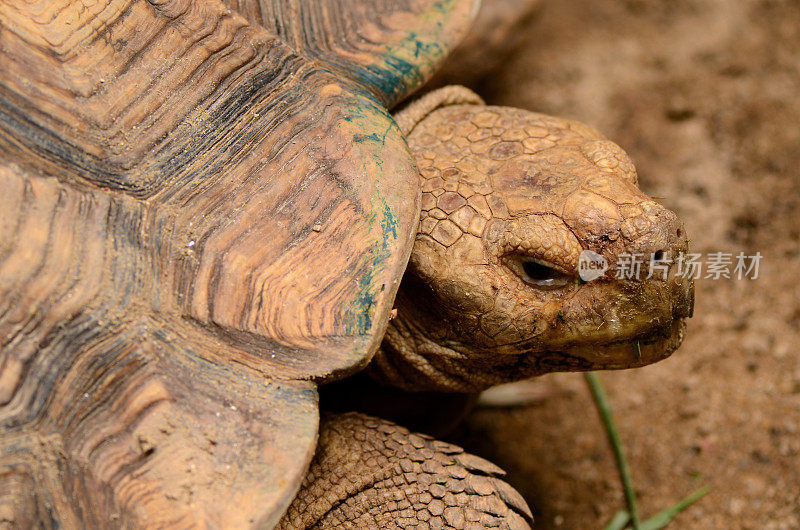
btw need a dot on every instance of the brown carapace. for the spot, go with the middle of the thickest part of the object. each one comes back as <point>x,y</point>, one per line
<point>206,212</point>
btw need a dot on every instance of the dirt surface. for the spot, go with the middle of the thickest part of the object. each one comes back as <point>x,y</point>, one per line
<point>705,97</point>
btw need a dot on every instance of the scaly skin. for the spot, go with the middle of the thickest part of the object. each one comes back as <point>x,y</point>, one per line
<point>371,473</point>
<point>501,186</point>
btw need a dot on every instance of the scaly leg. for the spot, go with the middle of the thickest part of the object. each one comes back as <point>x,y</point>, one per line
<point>371,473</point>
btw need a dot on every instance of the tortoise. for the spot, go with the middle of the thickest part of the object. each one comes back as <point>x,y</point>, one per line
<point>207,212</point>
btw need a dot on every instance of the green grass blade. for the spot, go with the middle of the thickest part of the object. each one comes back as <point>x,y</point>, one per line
<point>607,417</point>
<point>663,518</point>
<point>619,521</point>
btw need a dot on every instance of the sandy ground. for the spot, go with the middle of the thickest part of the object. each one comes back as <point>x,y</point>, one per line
<point>705,97</point>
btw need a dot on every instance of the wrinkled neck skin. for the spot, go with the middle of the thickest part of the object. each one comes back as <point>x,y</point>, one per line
<point>416,354</point>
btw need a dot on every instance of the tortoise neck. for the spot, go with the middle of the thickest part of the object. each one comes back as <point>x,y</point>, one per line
<point>409,359</point>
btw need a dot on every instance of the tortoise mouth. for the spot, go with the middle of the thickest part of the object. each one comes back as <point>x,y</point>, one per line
<point>631,352</point>
<point>640,349</point>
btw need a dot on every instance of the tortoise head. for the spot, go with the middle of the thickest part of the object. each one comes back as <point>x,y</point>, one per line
<point>521,215</point>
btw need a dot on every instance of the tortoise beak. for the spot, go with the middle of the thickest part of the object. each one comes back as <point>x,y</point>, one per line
<point>634,352</point>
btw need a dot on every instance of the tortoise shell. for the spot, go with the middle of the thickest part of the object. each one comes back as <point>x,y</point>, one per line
<point>206,209</point>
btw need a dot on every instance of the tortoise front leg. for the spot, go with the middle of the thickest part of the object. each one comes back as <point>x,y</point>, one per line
<point>371,473</point>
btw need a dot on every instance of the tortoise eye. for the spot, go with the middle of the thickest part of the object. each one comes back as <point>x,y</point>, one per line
<point>536,272</point>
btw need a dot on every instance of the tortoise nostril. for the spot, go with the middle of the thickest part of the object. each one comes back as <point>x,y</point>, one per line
<point>658,255</point>
<point>679,232</point>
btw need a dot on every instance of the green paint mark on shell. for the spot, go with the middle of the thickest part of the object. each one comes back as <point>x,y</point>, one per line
<point>371,125</point>
<point>364,137</point>
<point>365,301</point>
<point>407,63</point>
